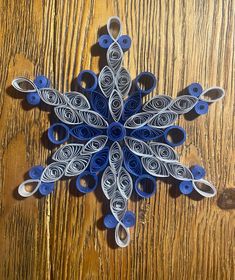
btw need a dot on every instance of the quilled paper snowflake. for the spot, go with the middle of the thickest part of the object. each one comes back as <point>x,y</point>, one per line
<point>111,134</point>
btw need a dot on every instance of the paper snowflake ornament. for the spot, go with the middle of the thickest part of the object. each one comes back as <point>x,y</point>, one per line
<point>112,135</point>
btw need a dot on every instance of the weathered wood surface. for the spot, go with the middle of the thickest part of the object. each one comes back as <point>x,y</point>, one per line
<point>61,236</point>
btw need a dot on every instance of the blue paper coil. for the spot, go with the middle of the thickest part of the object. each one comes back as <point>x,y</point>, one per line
<point>195,89</point>
<point>198,172</point>
<point>147,133</point>
<point>89,78</point>
<point>85,132</point>
<point>42,82</point>
<point>132,105</point>
<point>186,187</point>
<point>99,160</point>
<point>105,41</point>
<point>86,182</point>
<point>36,171</point>
<point>46,188</point>
<point>116,131</point>
<point>132,162</point>
<point>100,104</point>
<point>125,42</point>
<point>62,132</point>
<point>174,135</point>
<point>145,186</point>
<point>128,220</point>
<point>33,98</point>
<point>145,82</point>
<point>201,108</point>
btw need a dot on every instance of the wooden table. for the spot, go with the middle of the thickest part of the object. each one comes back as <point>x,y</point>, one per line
<point>61,236</point>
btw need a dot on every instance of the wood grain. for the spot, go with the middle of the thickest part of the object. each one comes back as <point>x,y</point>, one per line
<point>61,236</point>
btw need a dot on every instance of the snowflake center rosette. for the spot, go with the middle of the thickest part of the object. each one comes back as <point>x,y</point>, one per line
<point>113,135</point>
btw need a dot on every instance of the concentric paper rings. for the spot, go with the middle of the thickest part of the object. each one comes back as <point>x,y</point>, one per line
<point>63,133</point>
<point>90,79</point>
<point>148,185</point>
<point>86,182</point>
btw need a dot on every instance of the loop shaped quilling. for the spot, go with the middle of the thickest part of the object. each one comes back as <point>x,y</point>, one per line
<point>25,191</point>
<point>114,27</point>
<point>94,145</point>
<point>115,157</point>
<point>86,182</point>
<point>163,119</point>
<point>106,81</point>
<point>155,166</point>
<point>204,188</point>
<point>179,171</point>
<point>124,182</point>
<point>138,120</point>
<point>132,162</point>
<point>138,147</point>
<point>123,82</point>
<point>212,94</point>
<point>67,115</point>
<point>60,129</point>
<point>67,152</point>
<point>100,104</point>
<point>85,132</point>
<point>163,151</point>
<point>114,57</point>
<point>93,119</point>
<point>147,133</point>
<point>52,97</point>
<point>77,165</point>
<point>183,104</point>
<point>157,103</point>
<point>99,160</point>
<point>90,79</point>
<point>53,172</point>
<point>177,135</point>
<point>132,105</point>
<point>77,101</point>
<point>116,105</point>
<point>24,85</point>
<point>118,205</point>
<point>120,230</point>
<point>109,182</point>
<point>150,186</point>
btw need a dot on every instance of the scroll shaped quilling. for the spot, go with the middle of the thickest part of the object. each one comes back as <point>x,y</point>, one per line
<point>77,101</point>
<point>85,132</point>
<point>212,94</point>
<point>52,97</point>
<point>155,167</point>
<point>53,172</point>
<point>67,115</point>
<point>138,147</point>
<point>77,165</point>
<point>138,120</point>
<point>114,27</point>
<point>106,81</point>
<point>67,152</point>
<point>24,85</point>
<point>116,105</point>
<point>123,81</point>
<point>115,157</point>
<point>183,104</point>
<point>147,133</point>
<point>163,119</point>
<point>93,119</point>
<point>114,57</point>
<point>24,191</point>
<point>163,151</point>
<point>204,188</point>
<point>108,182</point>
<point>118,205</point>
<point>94,145</point>
<point>125,184</point>
<point>179,171</point>
<point>157,103</point>
<point>122,235</point>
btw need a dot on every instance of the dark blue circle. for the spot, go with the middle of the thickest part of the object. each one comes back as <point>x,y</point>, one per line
<point>92,184</point>
<point>148,79</point>
<point>110,221</point>
<point>198,172</point>
<point>46,188</point>
<point>36,171</point>
<point>90,78</point>
<point>63,128</point>
<point>179,135</point>
<point>152,186</point>
<point>195,89</point>
<point>116,131</point>
<point>105,41</point>
<point>186,187</point>
<point>125,42</point>
<point>201,108</point>
<point>42,82</point>
<point>33,98</point>
<point>129,219</point>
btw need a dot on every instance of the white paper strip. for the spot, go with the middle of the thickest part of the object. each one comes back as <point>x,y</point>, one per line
<point>155,166</point>
<point>163,151</point>
<point>94,145</point>
<point>138,120</point>
<point>25,191</point>
<point>93,119</point>
<point>77,100</point>
<point>67,152</point>
<point>118,205</point>
<point>67,115</point>
<point>24,85</point>
<point>53,172</point>
<point>124,182</point>
<point>52,97</point>
<point>157,103</point>
<point>116,105</point>
<point>138,147</point>
<point>163,119</point>
<point>123,81</point>
<point>122,235</point>
<point>114,57</point>
<point>183,104</point>
<point>77,165</point>
<point>106,81</point>
<point>212,94</point>
<point>179,171</point>
<point>108,182</point>
<point>115,157</point>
